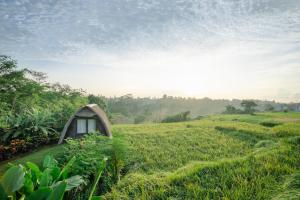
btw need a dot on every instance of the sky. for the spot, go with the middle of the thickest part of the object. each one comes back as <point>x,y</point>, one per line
<point>247,49</point>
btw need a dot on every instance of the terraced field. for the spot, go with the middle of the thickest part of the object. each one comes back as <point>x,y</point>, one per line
<point>219,157</point>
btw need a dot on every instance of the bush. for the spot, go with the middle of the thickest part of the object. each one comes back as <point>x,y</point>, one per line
<point>26,131</point>
<point>34,124</point>
<point>90,151</point>
<point>181,117</point>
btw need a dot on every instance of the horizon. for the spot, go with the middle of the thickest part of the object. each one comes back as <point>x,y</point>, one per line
<point>212,48</point>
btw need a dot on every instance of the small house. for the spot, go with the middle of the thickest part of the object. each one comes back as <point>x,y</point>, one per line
<point>88,119</point>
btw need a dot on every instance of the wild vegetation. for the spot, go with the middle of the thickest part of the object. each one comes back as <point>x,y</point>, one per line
<point>89,152</point>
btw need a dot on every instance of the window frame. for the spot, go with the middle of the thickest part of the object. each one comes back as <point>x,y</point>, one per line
<point>86,124</point>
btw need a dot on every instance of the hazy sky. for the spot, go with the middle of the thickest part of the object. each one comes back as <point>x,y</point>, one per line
<point>215,48</point>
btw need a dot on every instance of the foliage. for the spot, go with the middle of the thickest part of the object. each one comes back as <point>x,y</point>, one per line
<point>31,109</point>
<point>232,110</point>
<point>100,101</point>
<point>90,151</point>
<point>181,117</point>
<point>96,181</point>
<point>27,131</point>
<point>139,119</point>
<point>31,123</point>
<point>248,106</point>
<point>29,182</point>
<point>269,107</point>
<point>18,88</point>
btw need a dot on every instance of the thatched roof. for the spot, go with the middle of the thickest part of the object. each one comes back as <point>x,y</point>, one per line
<point>98,112</point>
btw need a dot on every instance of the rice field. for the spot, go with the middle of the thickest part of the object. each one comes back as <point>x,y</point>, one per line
<point>218,157</point>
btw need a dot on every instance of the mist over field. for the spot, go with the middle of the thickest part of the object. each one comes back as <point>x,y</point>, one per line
<point>214,48</point>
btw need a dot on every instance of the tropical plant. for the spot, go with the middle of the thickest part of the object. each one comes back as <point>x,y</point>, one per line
<point>97,179</point>
<point>90,151</point>
<point>30,183</point>
<point>31,123</point>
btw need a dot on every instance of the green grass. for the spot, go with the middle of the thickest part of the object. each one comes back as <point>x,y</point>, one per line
<point>218,157</point>
<point>165,147</point>
<point>36,157</point>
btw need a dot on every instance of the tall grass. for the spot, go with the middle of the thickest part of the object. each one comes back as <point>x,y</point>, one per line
<point>220,157</point>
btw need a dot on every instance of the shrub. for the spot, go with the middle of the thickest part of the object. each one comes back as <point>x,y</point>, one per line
<point>31,124</point>
<point>181,117</point>
<point>90,151</point>
<point>26,131</point>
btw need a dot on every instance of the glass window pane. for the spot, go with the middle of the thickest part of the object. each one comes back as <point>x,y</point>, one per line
<point>91,125</point>
<point>81,126</point>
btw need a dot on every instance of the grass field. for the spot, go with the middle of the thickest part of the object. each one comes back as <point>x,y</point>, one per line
<point>218,157</point>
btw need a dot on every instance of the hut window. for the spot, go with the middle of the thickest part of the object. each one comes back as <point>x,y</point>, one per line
<point>81,126</point>
<point>91,125</point>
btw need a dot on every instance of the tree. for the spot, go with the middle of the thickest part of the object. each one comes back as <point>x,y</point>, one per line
<point>18,88</point>
<point>139,119</point>
<point>230,110</point>
<point>269,107</point>
<point>100,101</point>
<point>248,106</point>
